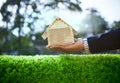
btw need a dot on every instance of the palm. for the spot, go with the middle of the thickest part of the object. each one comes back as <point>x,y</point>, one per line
<point>75,47</point>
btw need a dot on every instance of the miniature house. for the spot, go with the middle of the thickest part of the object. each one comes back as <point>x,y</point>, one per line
<point>59,33</point>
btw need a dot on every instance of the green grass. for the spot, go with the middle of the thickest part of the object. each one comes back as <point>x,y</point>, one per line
<point>99,68</point>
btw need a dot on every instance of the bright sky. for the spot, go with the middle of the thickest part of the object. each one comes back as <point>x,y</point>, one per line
<point>109,9</point>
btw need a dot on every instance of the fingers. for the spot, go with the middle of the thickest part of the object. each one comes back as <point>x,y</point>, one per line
<point>58,48</point>
<point>75,47</point>
<point>52,47</point>
<point>63,48</point>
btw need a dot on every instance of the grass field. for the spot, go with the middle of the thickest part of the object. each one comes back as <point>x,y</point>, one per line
<point>97,68</point>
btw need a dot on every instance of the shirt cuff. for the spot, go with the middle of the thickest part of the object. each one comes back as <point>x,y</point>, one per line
<point>86,46</point>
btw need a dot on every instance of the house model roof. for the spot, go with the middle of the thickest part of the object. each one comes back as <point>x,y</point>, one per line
<point>57,23</point>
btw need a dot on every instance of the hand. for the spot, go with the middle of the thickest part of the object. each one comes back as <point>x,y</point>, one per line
<point>75,47</point>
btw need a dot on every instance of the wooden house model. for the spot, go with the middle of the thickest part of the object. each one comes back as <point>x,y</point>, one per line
<point>59,33</point>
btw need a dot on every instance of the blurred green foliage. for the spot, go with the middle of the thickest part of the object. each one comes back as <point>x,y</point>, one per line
<point>93,22</point>
<point>116,24</point>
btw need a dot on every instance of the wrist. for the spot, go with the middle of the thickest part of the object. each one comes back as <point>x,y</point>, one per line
<point>86,46</point>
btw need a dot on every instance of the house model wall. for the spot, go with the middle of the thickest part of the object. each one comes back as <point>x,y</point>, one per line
<point>59,33</point>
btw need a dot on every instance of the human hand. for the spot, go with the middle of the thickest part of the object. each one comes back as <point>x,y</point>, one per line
<point>75,47</point>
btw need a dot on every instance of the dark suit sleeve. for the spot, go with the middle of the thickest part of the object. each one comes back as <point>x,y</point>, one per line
<point>105,42</point>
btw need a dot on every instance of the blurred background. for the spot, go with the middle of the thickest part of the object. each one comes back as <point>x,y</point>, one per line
<point>23,21</point>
